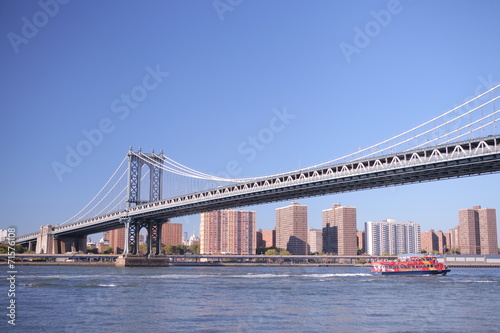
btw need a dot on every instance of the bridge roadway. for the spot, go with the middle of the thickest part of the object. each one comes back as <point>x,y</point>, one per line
<point>466,158</point>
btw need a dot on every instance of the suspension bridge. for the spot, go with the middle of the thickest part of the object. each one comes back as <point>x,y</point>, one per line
<point>146,189</point>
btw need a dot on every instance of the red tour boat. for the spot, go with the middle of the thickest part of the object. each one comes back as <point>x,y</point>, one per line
<point>410,265</point>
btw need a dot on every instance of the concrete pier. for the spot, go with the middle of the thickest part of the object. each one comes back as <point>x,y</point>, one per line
<point>138,261</point>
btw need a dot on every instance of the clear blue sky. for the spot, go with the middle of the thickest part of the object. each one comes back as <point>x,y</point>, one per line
<point>66,66</point>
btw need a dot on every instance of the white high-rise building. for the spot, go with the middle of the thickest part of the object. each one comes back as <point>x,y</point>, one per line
<point>3,235</point>
<point>392,237</point>
<point>314,240</point>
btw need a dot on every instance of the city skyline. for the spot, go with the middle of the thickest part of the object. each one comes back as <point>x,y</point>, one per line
<point>481,235</point>
<point>319,223</point>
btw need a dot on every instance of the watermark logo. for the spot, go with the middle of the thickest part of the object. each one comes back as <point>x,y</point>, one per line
<point>31,26</point>
<point>249,148</point>
<point>223,6</point>
<point>484,85</point>
<point>11,278</point>
<point>364,36</point>
<point>139,93</point>
<point>121,107</point>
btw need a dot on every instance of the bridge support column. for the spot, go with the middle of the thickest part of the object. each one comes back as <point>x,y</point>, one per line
<point>130,256</point>
<point>73,244</point>
<point>132,228</point>
<point>126,223</point>
<point>32,246</point>
<point>45,241</point>
<point>154,237</point>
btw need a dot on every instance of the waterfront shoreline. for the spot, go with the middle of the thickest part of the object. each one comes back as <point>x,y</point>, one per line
<point>228,264</point>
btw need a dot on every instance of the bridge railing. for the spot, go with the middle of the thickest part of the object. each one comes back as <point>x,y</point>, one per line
<point>95,219</point>
<point>28,236</point>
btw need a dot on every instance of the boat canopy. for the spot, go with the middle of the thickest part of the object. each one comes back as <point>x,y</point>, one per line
<point>419,255</point>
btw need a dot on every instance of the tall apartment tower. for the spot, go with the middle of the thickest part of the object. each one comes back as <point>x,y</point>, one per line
<point>116,238</point>
<point>339,230</point>
<point>171,233</point>
<point>228,231</point>
<point>478,231</point>
<point>291,228</point>
<point>392,237</point>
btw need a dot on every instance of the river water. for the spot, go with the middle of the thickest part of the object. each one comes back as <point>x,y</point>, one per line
<point>250,299</point>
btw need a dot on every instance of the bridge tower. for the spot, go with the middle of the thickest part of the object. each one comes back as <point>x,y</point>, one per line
<point>135,164</point>
<point>153,226</point>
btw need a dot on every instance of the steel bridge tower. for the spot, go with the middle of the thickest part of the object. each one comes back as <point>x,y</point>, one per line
<point>133,225</point>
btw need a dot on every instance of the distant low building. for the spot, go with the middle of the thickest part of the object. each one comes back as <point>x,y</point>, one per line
<point>193,240</point>
<point>91,244</point>
<point>269,238</point>
<point>314,240</point>
<point>454,238</point>
<point>3,235</point>
<point>258,238</point>
<point>103,243</point>
<point>361,237</point>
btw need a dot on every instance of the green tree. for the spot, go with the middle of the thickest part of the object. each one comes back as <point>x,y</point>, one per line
<point>175,249</point>
<point>108,250</point>
<point>271,252</point>
<point>285,253</point>
<point>194,249</point>
<point>4,248</point>
<point>143,248</point>
<point>92,250</point>
<point>168,249</point>
<point>263,250</point>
